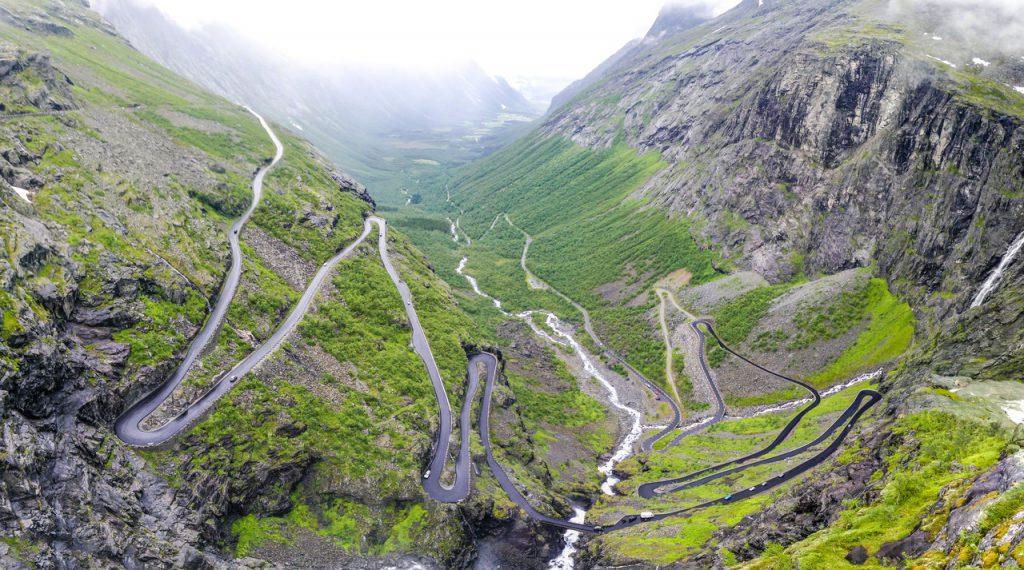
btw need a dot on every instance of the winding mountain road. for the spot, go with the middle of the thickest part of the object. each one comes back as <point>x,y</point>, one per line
<point>128,426</point>
<point>864,400</point>
<point>432,483</point>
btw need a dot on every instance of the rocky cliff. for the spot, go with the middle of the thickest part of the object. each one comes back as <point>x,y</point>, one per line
<point>794,130</point>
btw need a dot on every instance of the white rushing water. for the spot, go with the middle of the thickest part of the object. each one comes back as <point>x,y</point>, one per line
<point>567,559</point>
<point>831,391</point>
<point>455,232</point>
<point>625,448</point>
<point>473,283</point>
<point>1015,411</point>
<point>993,280</point>
<point>563,337</point>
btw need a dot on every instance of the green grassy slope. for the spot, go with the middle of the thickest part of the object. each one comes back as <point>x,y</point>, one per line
<point>588,232</point>
<point>140,181</point>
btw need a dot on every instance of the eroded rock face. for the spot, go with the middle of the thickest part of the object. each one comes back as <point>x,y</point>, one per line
<point>833,155</point>
<point>70,491</point>
<point>348,184</point>
<point>29,79</point>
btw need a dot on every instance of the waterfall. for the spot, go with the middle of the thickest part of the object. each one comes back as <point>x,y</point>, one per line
<point>993,280</point>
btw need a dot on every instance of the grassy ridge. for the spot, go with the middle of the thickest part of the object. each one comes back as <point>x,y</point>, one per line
<point>367,428</point>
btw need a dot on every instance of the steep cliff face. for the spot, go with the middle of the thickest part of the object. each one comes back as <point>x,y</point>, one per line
<point>823,135</point>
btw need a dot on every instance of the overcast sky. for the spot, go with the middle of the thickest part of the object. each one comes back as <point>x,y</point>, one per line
<point>516,39</point>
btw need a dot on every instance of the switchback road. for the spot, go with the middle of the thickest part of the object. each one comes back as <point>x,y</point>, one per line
<point>128,429</point>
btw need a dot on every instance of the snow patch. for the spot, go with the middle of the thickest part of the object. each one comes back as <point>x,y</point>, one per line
<point>22,193</point>
<point>296,125</point>
<point>981,62</point>
<point>949,63</point>
<point>1019,89</point>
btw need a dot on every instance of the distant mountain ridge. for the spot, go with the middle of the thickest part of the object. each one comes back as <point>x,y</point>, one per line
<point>673,18</point>
<point>351,112</point>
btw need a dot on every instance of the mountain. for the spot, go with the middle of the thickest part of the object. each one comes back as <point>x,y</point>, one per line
<point>838,184</point>
<point>368,119</point>
<point>673,18</point>
<point>122,182</point>
<point>752,298</point>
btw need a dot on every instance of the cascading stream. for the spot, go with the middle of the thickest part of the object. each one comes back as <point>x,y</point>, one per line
<point>997,274</point>
<point>566,560</point>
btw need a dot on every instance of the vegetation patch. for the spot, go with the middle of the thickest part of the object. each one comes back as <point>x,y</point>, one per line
<point>935,449</point>
<point>888,334</point>
<point>588,231</point>
<point>735,319</point>
<point>816,322</point>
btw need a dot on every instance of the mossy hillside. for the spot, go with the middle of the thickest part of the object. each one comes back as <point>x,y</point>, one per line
<point>363,447</point>
<point>735,319</point>
<point>148,220</point>
<point>881,328</point>
<point>494,260</point>
<point>134,215</point>
<point>564,430</point>
<point>300,185</point>
<point>888,334</point>
<point>930,451</point>
<point>674,539</point>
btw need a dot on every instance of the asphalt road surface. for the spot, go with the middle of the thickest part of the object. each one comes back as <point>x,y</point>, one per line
<point>864,400</point>
<point>127,426</point>
<point>649,490</point>
<point>432,482</point>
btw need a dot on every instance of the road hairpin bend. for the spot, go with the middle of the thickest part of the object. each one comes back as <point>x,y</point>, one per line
<point>128,426</point>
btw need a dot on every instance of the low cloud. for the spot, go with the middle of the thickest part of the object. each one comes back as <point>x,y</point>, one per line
<point>996,26</point>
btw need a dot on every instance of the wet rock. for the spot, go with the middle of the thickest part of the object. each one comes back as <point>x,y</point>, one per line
<point>348,184</point>
<point>858,555</point>
<point>906,548</point>
<point>55,91</point>
<point>117,316</point>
